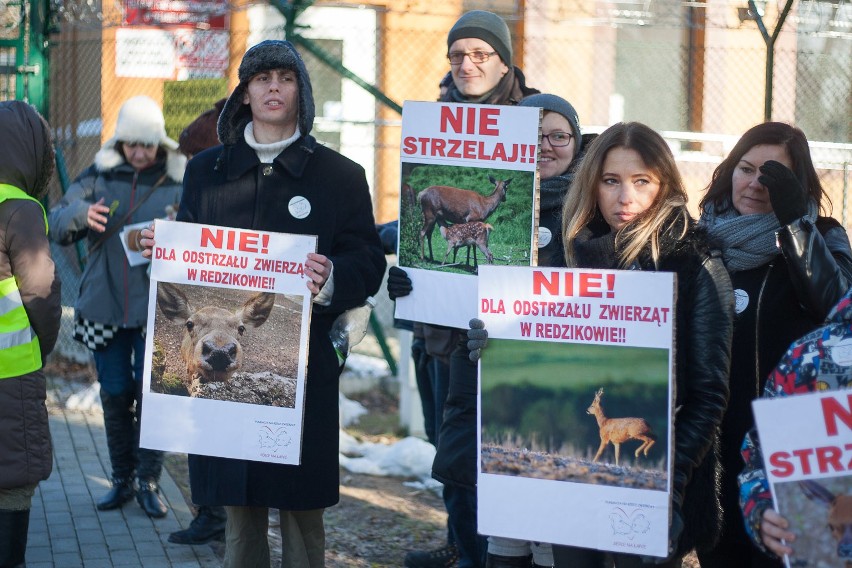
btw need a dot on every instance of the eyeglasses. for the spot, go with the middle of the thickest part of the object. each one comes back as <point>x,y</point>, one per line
<point>456,57</point>
<point>136,144</point>
<point>558,139</point>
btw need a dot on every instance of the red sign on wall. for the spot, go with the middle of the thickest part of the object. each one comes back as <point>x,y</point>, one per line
<point>207,15</point>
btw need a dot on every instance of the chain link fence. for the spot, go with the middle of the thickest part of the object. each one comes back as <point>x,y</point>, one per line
<point>695,71</point>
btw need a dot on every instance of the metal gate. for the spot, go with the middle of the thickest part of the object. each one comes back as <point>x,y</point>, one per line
<point>23,46</point>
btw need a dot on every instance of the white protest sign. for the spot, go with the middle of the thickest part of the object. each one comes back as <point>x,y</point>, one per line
<point>806,441</point>
<point>226,345</point>
<point>583,360</point>
<point>469,178</point>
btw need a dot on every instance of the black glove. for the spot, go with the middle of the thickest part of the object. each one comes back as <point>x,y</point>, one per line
<point>675,530</point>
<point>789,199</point>
<point>399,284</point>
<point>477,339</point>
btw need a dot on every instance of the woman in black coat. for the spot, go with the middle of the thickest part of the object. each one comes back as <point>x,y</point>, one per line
<point>627,210</point>
<point>789,266</point>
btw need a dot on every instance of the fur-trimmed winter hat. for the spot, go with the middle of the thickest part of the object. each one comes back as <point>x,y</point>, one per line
<point>558,105</point>
<point>265,56</point>
<point>487,26</point>
<point>140,119</point>
<point>201,133</point>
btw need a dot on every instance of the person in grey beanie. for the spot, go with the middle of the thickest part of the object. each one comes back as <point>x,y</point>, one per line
<point>479,50</point>
<point>560,150</point>
<point>270,174</point>
<point>559,154</point>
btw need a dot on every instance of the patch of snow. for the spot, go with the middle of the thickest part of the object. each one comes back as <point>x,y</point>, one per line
<point>86,400</point>
<point>409,457</point>
<point>350,411</point>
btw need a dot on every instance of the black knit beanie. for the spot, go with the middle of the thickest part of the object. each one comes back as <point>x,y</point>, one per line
<point>558,105</point>
<point>265,56</point>
<point>487,26</point>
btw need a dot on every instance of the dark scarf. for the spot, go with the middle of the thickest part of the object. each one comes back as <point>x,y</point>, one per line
<point>595,246</point>
<point>509,91</point>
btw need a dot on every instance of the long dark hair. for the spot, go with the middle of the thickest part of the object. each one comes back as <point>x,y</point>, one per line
<point>769,133</point>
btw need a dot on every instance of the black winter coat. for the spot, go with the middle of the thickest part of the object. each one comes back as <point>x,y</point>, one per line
<point>228,186</point>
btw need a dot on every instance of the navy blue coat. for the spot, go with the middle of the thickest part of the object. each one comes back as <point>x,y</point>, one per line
<point>227,185</point>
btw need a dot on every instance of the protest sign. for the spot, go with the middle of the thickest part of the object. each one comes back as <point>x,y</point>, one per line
<point>806,442</point>
<point>468,187</point>
<point>226,343</point>
<point>575,425</point>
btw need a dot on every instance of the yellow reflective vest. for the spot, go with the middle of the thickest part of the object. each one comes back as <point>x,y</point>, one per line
<point>20,352</point>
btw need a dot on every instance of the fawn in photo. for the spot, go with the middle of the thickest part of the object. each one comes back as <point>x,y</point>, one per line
<point>443,204</point>
<point>468,234</point>
<point>619,430</point>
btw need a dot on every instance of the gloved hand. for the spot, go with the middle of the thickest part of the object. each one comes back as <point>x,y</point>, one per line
<point>789,199</point>
<point>477,339</point>
<point>399,284</point>
<point>675,530</point>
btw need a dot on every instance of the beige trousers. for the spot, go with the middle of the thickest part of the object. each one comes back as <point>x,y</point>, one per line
<point>302,537</point>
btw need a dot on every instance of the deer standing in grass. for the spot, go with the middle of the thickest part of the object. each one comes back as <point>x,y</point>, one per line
<point>443,204</point>
<point>468,234</point>
<point>619,430</point>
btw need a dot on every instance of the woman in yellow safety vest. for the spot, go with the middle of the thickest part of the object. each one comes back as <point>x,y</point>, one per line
<point>30,310</point>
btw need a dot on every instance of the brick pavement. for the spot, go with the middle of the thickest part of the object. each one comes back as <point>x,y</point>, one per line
<point>66,530</point>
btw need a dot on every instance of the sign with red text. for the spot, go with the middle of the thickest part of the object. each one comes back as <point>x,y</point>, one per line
<point>576,407</point>
<point>174,53</point>
<point>469,175</point>
<point>227,342</point>
<point>807,450</point>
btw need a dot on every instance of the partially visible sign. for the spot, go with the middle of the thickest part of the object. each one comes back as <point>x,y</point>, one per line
<point>170,54</point>
<point>207,15</point>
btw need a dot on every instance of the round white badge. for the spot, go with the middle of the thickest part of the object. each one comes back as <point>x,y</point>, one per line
<point>544,237</point>
<point>842,352</point>
<point>741,298</point>
<point>299,207</point>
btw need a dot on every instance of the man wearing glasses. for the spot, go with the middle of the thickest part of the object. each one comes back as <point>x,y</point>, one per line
<point>479,50</point>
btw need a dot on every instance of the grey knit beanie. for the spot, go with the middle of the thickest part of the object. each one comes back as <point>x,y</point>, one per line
<point>265,56</point>
<point>558,105</point>
<point>487,26</point>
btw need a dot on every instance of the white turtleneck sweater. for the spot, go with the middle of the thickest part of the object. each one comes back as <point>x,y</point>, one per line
<point>268,152</point>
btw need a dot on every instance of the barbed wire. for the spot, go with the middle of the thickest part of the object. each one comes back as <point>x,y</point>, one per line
<point>821,18</point>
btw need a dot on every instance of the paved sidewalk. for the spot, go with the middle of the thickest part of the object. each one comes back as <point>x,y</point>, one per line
<point>66,530</point>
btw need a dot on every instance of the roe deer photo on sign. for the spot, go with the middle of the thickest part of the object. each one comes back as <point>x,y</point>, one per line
<point>537,420</point>
<point>453,217</point>
<point>820,514</point>
<point>226,344</point>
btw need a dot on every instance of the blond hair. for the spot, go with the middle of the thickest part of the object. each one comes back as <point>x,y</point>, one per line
<point>669,207</point>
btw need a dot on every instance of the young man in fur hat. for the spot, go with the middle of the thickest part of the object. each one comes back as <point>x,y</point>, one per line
<point>271,175</point>
<point>136,177</point>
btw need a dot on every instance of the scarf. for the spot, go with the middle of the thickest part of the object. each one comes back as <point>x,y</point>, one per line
<point>553,191</point>
<point>594,245</point>
<point>746,241</point>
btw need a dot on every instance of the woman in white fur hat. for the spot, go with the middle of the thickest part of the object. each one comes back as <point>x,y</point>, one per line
<point>136,177</point>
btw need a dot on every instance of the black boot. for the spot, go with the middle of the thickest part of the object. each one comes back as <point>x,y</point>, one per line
<point>445,557</point>
<point>13,537</point>
<point>497,561</point>
<point>208,524</point>
<point>148,498</point>
<point>121,492</point>
<point>121,441</point>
